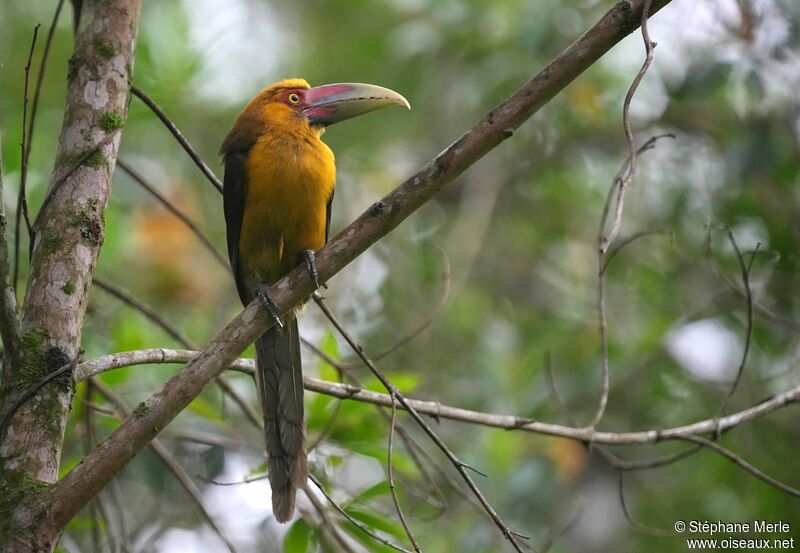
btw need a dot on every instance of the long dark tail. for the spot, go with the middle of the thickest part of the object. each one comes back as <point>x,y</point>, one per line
<point>279,379</point>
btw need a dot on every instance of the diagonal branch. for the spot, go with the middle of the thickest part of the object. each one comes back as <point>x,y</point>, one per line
<point>397,397</point>
<point>155,108</point>
<point>222,381</point>
<point>353,521</point>
<point>172,464</point>
<point>163,200</point>
<point>144,309</point>
<point>75,489</point>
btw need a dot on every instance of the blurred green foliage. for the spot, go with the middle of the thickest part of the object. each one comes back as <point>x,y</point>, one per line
<point>518,230</point>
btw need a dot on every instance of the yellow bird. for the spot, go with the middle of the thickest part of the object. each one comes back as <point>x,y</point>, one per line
<point>279,180</point>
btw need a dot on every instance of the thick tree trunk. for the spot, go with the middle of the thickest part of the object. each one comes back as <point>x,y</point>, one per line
<point>68,236</point>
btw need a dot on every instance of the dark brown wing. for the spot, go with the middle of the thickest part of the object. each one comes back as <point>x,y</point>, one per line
<point>233,197</point>
<point>328,218</point>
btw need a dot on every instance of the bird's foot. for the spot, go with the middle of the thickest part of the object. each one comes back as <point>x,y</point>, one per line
<point>262,291</point>
<point>310,257</point>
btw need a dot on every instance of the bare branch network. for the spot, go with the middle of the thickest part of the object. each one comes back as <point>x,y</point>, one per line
<point>86,480</point>
<point>76,189</point>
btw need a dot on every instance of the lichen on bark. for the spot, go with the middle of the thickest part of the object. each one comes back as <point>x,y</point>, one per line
<point>68,233</point>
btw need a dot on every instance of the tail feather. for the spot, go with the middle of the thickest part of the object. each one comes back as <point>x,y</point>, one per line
<point>279,380</point>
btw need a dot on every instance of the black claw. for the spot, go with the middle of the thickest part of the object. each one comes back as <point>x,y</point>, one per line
<point>310,258</point>
<point>262,291</point>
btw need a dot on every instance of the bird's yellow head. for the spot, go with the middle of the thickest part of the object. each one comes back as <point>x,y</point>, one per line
<point>293,106</point>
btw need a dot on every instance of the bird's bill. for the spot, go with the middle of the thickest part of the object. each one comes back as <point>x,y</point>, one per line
<point>331,103</point>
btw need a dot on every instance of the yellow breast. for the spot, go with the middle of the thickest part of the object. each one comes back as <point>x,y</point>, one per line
<point>290,179</point>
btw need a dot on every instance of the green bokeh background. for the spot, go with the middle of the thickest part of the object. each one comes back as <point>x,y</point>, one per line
<point>518,232</point>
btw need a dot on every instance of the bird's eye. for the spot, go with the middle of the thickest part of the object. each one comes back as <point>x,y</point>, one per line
<point>294,98</point>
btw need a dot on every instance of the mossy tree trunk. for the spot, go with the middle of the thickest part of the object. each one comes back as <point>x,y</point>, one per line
<point>68,234</point>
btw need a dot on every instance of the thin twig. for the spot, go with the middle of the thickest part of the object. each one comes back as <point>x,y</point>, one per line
<point>630,240</point>
<point>97,408</point>
<point>99,513</point>
<point>40,78</point>
<point>167,203</point>
<point>209,438</point>
<point>144,309</point>
<point>413,448</point>
<point>606,239</point>
<point>551,536</point>
<point>116,500</point>
<point>390,473</point>
<point>613,460</point>
<point>658,532</point>
<point>434,314</point>
<point>245,480</point>
<point>602,323</point>
<point>647,464</point>
<point>172,464</point>
<point>460,466</point>
<point>745,269</point>
<point>137,304</point>
<point>57,182</point>
<point>551,384</point>
<point>332,418</point>
<point>353,521</point>
<point>247,408</point>
<point>731,456</point>
<point>623,183</point>
<point>22,200</point>
<point>416,452</point>
<point>212,178</point>
<point>757,306</point>
<point>88,445</point>
<point>328,524</point>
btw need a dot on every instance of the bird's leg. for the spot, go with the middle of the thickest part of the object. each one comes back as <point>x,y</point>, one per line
<point>310,257</point>
<point>262,291</point>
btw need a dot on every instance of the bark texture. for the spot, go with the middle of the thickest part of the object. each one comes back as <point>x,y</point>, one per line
<point>67,240</point>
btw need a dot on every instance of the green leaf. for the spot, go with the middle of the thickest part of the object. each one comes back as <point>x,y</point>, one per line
<point>297,538</point>
<point>68,464</point>
<point>330,348</point>
<point>203,408</point>
<point>368,541</point>
<point>405,382</point>
<point>379,489</point>
<point>259,470</point>
<point>377,522</point>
